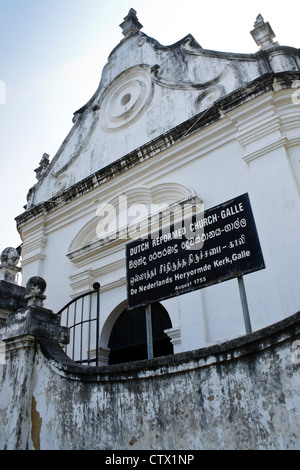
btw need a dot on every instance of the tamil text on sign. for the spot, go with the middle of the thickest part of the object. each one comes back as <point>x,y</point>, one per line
<point>218,246</point>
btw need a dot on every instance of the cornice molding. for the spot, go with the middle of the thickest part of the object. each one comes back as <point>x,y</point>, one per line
<point>261,151</point>
<point>181,132</point>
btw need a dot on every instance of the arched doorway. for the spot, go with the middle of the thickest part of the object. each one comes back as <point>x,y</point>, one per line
<point>128,341</point>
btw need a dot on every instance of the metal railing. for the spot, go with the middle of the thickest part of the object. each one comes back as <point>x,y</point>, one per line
<point>82,315</point>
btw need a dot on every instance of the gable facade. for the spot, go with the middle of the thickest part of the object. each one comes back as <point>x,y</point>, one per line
<point>169,127</point>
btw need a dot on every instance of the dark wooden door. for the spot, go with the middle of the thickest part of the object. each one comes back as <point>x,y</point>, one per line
<point>128,341</point>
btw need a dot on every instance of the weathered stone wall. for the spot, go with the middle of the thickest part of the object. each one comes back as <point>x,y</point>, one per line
<point>242,394</point>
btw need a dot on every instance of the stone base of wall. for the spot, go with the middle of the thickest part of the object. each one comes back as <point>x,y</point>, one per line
<point>242,394</point>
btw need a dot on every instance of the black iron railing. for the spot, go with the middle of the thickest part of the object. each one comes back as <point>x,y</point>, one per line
<point>82,315</point>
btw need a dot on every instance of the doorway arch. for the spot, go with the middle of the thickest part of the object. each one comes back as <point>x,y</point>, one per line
<point>128,340</point>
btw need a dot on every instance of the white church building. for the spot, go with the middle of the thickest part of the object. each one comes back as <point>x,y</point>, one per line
<point>173,127</point>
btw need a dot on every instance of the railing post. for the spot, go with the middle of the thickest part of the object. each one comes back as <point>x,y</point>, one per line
<point>149,331</point>
<point>96,287</point>
<point>244,302</point>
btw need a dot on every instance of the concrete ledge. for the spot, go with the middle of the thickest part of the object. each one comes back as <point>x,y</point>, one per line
<point>253,343</point>
<point>36,322</point>
<point>12,297</point>
<point>241,394</point>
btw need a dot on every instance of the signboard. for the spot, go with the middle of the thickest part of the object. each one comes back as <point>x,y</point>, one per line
<point>217,246</point>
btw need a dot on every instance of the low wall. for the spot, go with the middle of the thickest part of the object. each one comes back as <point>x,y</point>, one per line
<point>242,394</point>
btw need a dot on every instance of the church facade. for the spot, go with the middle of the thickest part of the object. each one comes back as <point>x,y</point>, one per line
<point>173,127</point>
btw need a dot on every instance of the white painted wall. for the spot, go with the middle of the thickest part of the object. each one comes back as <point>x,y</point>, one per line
<point>253,148</point>
<point>216,173</point>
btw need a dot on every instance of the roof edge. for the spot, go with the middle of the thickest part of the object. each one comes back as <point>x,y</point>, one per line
<point>231,101</point>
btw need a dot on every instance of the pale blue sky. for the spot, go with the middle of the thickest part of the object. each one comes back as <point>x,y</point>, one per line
<point>52,53</point>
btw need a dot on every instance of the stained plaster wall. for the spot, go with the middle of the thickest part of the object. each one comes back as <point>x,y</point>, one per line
<point>242,394</point>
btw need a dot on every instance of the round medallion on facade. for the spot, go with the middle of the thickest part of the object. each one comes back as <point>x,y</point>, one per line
<point>126,99</point>
<point>61,183</point>
<point>208,97</point>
